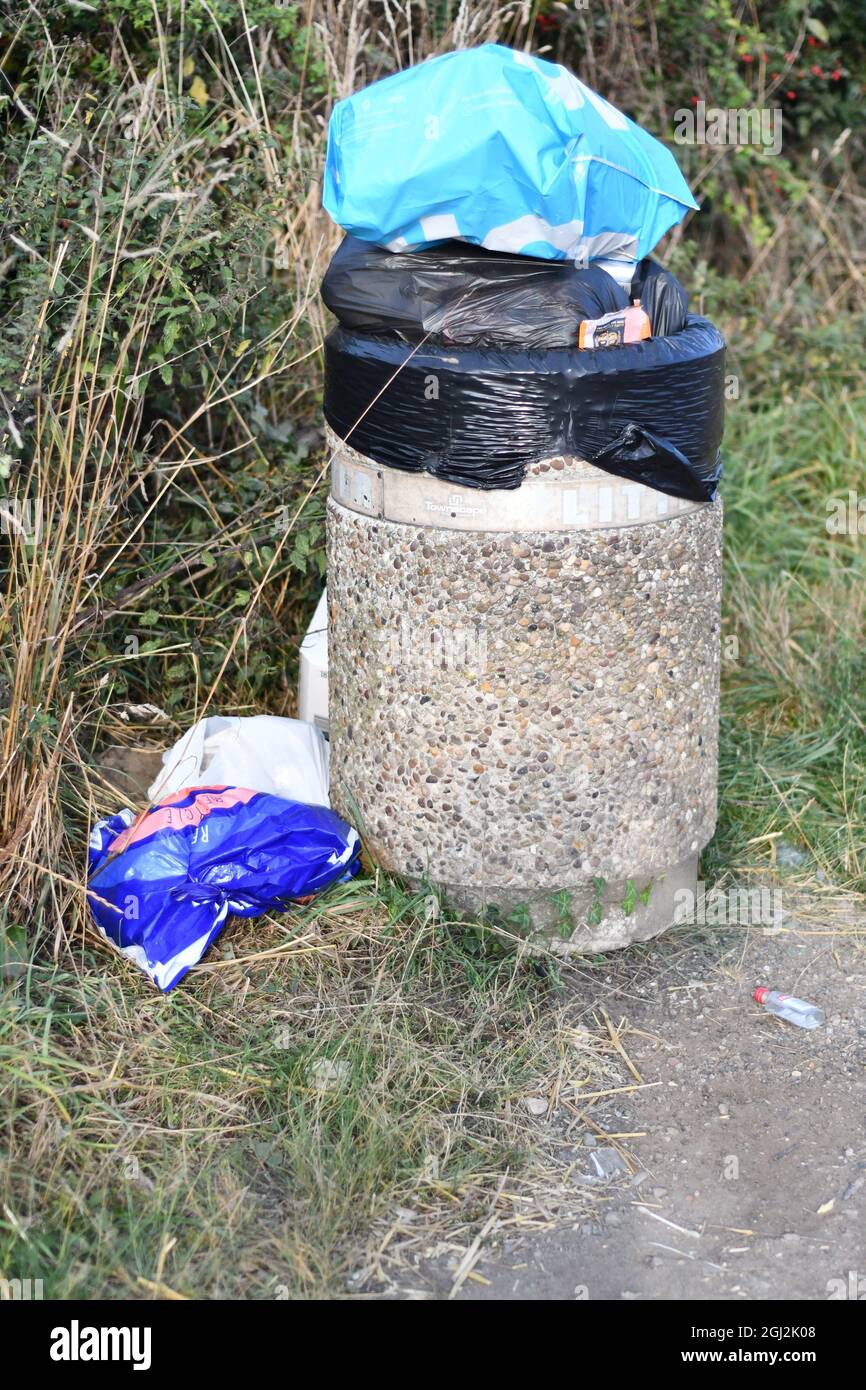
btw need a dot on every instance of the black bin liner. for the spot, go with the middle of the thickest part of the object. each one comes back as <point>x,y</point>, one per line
<point>456,293</point>
<point>461,294</point>
<point>651,411</point>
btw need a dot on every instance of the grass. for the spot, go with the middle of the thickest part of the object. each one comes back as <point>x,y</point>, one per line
<point>338,1080</point>
<point>337,1095</point>
<point>194,1146</point>
<point>794,707</point>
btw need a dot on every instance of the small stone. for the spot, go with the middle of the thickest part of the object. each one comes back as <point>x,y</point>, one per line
<point>608,1162</point>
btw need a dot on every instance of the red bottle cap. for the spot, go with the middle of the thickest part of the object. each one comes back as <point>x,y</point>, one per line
<point>760,994</point>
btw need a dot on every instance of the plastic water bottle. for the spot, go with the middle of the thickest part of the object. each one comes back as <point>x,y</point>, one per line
<point>787,1007</point>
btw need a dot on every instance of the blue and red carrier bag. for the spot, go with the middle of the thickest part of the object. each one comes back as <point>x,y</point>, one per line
<point>162,885</point>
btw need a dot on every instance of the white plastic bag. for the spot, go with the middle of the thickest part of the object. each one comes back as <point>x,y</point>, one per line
<point>265,753</point>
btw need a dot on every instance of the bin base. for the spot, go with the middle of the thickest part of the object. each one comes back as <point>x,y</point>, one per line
<point>589,918</point>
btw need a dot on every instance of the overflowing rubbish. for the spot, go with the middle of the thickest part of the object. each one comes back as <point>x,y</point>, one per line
<point>504,150</point>
<point>464,295</point>
<point>786,1006</point>
<point>263,752</point>
<point>459,294</point>
<point>238,824</point>
<point>500,327</point>
<point>481,416</point>
<point>629,325</point>
<point>162,885</point>
<point>495,298</point>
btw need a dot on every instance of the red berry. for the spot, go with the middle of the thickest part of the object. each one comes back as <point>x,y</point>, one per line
<point>792,96</point>
<point>836,74</point>
<point>747,58</point>
<point>816,70</point>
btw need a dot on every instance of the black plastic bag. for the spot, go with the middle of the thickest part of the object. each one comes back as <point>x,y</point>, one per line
<point>461,294</point>
<point>662,298</point>
<point>644,457</point>
<point>651,411</point>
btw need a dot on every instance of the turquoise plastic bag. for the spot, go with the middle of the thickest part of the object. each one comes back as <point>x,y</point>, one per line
<point>504,150</point>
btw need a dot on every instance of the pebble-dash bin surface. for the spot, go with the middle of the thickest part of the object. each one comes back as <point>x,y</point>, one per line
<point>518,715</point>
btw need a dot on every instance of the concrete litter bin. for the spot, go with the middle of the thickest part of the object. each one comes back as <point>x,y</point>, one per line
<point>524,547</point>
<point>524,691</point>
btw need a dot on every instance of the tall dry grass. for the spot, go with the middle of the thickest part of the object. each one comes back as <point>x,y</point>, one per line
<point>100,470</point>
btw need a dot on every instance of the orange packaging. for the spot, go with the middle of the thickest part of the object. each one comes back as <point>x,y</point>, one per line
<point>629,325</point>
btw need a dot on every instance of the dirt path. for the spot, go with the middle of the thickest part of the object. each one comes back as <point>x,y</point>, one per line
<point>750,1182</point>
